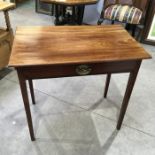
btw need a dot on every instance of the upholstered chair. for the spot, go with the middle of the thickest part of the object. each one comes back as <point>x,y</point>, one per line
<point>130,12</point>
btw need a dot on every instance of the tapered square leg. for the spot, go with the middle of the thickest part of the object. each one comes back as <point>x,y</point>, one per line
<point>130,85</point>
<point>23,88</point>
<point>80,14</point>
<point>31,90</point>
<point>107,85</point>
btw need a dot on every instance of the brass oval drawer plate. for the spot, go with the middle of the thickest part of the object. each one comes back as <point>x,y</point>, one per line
<point>83,70</point>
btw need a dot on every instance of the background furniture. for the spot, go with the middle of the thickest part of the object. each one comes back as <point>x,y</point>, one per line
<point>74,55</point>
<point>6,35</point>
<point>131,12</point>
<point>72,16</point>
<point>91,14</point>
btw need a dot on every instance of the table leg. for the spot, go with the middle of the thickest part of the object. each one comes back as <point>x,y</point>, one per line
<point>52,9</point>
<point>23,88</point>
<point>73,15</point>
<point>63,11</point>
<point>107,85</point>
<point>56,15</point>
<point>80,14</point>
<point>130,85</point>
<point>31,90</point>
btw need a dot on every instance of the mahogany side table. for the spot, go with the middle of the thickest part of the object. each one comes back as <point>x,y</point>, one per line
<point>51,52</point>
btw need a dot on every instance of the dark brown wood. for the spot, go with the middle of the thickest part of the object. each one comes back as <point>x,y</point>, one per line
<point>41,72</point>
<point>130,85</point>
<point>56,15</point>
<point>23,87</point>
<point>80,14</point>
<point>107,85</point>
<point>133,30</point>
<point>141,4</point>
<point>48,52</point>
<point>31,90</point>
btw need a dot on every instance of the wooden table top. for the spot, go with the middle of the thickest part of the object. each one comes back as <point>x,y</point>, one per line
<point>70,2</point>
<point>6,5</point>
<point>73,45</point>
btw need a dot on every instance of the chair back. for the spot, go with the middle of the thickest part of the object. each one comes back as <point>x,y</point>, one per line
<point>111,2</point>
<point>140,4</point>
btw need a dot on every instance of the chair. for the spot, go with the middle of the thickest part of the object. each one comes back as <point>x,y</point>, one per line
<point>6,35</point>
<point>130,12</point>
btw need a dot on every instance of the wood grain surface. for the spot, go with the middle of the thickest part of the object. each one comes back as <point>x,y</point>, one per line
<point>74,45</point>
<point>70,2</point>
<point>6,5</point>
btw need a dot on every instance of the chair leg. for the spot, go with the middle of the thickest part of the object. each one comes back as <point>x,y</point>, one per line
<point>133,30</point>
<point>127,27</point>
<point>100,21</point>
<point>80,14</point>
<point>56,15</point>
<point>107,85</point>
<point>52,9</point>
<point>73,15</point>
<point>7,20</point>
<point>112,22</point>
<point>139,35</point>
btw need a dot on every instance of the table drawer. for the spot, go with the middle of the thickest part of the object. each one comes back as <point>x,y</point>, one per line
<point>37,72</point>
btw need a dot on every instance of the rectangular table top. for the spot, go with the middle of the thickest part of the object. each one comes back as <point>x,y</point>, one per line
<point>53,45</point>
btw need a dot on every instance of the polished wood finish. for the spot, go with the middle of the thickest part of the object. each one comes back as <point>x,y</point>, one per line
<point>43,45</point>
<point>70,2</point>
<point>51,52</point>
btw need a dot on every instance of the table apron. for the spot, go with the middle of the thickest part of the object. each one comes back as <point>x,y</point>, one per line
<point>54,71</point>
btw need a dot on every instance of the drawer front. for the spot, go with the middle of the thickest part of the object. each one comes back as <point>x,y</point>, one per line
<point>37,72</point>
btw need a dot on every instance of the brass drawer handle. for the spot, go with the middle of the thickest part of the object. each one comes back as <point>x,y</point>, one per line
<point>83,70</point>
